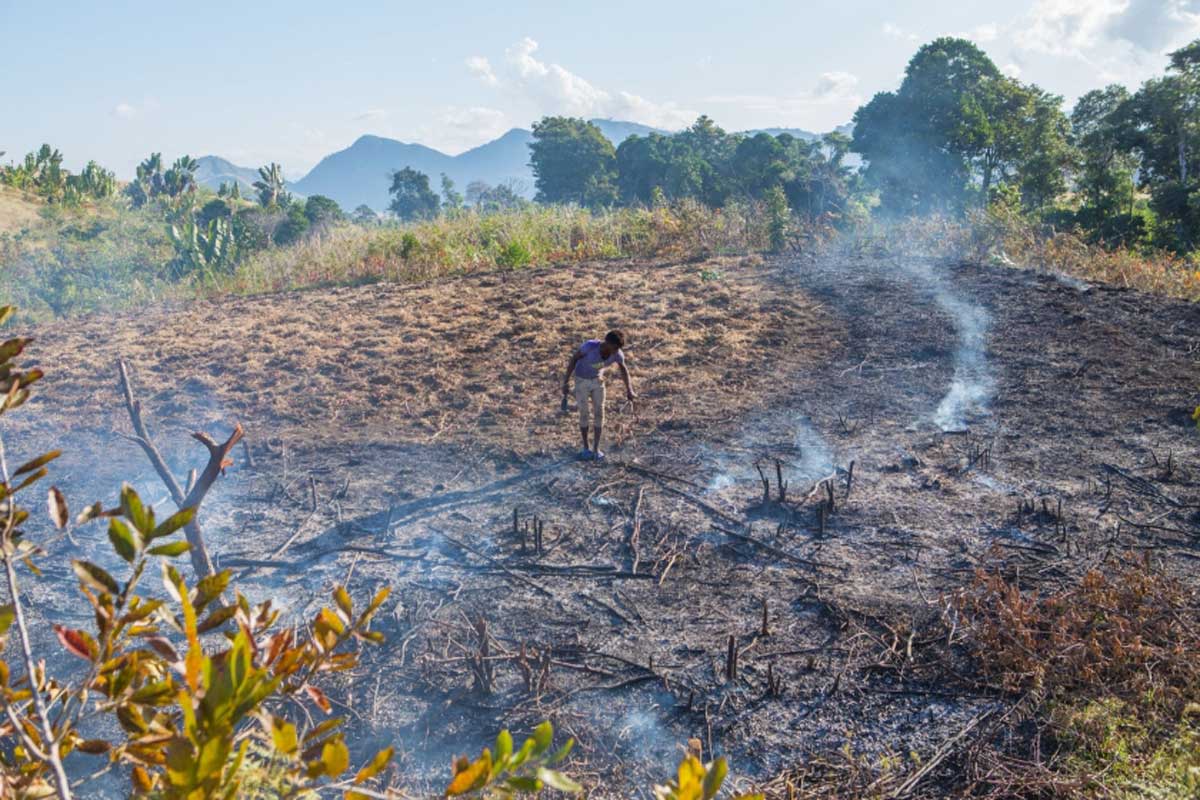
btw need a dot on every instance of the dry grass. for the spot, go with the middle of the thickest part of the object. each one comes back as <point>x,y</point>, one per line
<point>472,242</point>
<point>995,237</point>
<point>1110,669</point>
<point>476,359</point>
<point>17,210</point>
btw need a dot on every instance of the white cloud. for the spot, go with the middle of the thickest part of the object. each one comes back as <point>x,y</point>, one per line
<point>894,31</point>
<point>836,84</point>
<point>371,115</point>
<point>477,122</point>
<point>125,111</point>
<point>1091,29</point>
<point>1157,25</point>
<point>482,68</point>
<point>830,102</point>
<point>981,34</point>
<point>1011,69</point>
<point>550,88</point>
<point>453,129</point>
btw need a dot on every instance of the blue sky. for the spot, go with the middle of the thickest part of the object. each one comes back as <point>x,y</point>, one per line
<point>259,81</point>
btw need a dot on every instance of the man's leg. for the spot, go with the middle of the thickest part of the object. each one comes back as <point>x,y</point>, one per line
<point>597,399</point>
<point>582,400</point>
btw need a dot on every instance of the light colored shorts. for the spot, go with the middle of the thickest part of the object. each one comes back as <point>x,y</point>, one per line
<point>589,395</point>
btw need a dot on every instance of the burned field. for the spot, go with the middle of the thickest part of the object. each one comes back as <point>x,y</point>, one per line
<point>823,448</point>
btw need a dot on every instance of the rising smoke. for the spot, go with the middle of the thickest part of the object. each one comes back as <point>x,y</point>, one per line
<point>972,385</point>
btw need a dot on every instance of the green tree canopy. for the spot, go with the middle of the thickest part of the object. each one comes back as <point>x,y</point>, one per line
<point>411,196</point>
<point>573,162</point>
<point>954,129</point>
<point>1162,125</point>
<point>322,211</point>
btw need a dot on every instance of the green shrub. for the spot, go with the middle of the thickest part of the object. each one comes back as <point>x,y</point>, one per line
<point>514,255</point>
<point>409,245</point>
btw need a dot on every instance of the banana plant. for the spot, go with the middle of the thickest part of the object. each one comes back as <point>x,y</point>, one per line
<point>270,186</point>
<point>204,250</point>
<point>94,181</point>
<point>180,179</point>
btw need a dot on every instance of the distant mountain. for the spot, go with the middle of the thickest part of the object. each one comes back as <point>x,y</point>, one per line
<point>618,131</point>
<point>214,170</point>
<point>360,174</point>
<point>800,133</point>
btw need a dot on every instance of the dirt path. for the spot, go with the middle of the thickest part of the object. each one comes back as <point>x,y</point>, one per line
<point>423,417</point>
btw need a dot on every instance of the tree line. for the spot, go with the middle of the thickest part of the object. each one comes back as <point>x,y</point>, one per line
<point>957,135</point>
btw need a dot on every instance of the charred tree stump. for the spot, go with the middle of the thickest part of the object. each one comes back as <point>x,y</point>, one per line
<point>193,496</point>
<point>766,484</point>
<point>481,664</point>
<point>731,659</point>
<point>774,682</point>
<point>765,629</point>
<point>849,480</point>
<point>635,533</point>
<point>779,482</point>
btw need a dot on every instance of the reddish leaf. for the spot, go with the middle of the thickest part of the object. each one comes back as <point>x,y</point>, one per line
<point>163,647</point>
<point>76,642</point>
<point>58,508</point>
<point>319,698</point>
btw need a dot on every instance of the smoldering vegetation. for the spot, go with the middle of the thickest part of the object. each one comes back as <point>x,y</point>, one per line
<point>660,602</point>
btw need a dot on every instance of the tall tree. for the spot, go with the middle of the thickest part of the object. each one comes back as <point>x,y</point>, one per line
<point>412,198</point>
<point>917,141</point>
<point>148,182</point>
<point>1163,127</point>
<point>573,162</point>
<point>451,199</point>
<point>180,179</point>
<point>1106,169</point>
<point>271,187</point>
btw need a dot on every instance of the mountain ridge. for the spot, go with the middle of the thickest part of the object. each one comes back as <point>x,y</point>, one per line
<point>358,174</point>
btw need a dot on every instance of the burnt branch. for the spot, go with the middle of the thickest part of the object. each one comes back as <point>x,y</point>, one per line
<point>198,485</point>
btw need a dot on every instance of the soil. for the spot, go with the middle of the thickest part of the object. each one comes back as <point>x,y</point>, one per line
<point>421,419</point>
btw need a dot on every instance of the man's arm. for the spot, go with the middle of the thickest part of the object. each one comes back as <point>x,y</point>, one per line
<point>570,368</point>
<point>625,377</point>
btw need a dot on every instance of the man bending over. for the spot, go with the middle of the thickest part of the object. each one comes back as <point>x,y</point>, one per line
<point>588,364</point>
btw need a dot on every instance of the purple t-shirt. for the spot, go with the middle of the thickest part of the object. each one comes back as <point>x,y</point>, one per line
<point>591,362</point>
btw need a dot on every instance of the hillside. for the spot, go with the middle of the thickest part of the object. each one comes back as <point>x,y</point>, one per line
<point>398,431</point>
<point>214,171</point>
<point>18,210</point>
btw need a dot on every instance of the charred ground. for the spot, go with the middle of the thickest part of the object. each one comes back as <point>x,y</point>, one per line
<point>396,430</point>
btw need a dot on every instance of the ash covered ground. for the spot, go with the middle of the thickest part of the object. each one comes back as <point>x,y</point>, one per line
<point>928,417</point>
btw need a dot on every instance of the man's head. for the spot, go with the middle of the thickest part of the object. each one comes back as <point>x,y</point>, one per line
<point>613,341</point>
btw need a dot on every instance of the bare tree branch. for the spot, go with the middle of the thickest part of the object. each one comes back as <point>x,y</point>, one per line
<point>218,460</point>
<point>50,751</point>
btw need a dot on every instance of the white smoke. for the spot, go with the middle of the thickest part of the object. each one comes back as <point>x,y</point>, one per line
<point>973,384</point>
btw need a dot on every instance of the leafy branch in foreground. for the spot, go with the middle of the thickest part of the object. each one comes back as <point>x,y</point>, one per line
<point>508,773</point>
<point>195,721</point>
